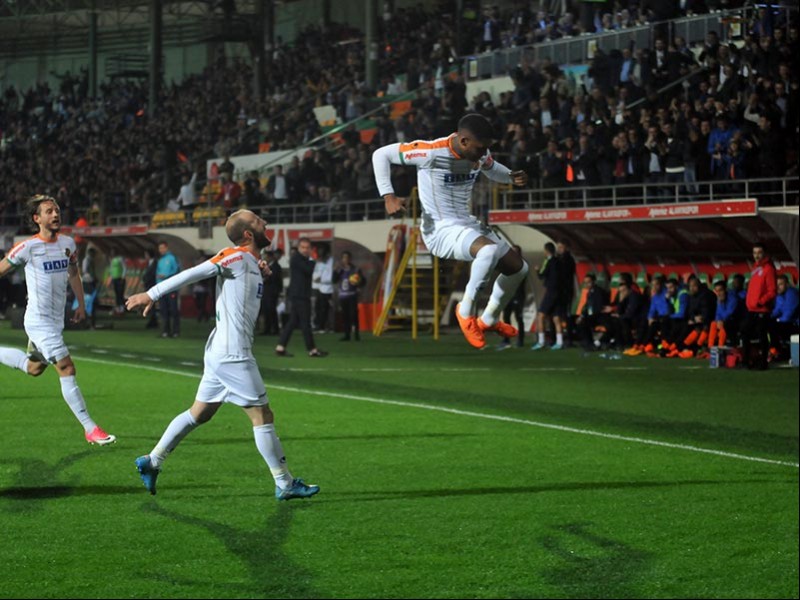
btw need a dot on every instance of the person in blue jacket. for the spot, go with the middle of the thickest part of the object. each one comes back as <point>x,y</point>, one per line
<point>658,315</point>
<point>728,317</point>
<point>784,318</point>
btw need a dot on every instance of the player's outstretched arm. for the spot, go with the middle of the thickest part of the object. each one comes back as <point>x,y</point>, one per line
<point>146,299</point>
<point>502,174</point>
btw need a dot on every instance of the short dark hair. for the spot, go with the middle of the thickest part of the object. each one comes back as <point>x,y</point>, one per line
<point>303,239</point>
<point>34,202</point>
<point>720,283</point>
<point>591,276</point>
<point>759,244</point>
<point>673,281</point>
<point>738,277</point>
<point>691,277</point>
<point>784,277</point>
<point>477,125</point>
<point>626,278</point>
<point>550,247</point>
<point>347,253</point>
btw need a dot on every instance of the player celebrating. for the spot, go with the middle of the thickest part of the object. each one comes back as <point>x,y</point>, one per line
<point>447,169</point>
<point>50,262</point>
<point>230,373</point>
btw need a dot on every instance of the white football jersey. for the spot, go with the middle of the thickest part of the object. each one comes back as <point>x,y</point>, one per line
<point>240,286</point>
<point>46,264</point>
<point>444,179</point>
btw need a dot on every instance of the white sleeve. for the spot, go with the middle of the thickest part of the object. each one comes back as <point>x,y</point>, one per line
<point>382,161</point>
<point>495,171</point>
<point>20,254</point>
<point>202,271</point>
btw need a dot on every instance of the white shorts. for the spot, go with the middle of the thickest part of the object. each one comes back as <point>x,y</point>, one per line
<point>47,341</point>
<point>453,239</point>
<point>237,382</point>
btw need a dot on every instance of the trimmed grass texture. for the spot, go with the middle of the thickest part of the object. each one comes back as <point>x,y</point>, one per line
<point>415,502</point>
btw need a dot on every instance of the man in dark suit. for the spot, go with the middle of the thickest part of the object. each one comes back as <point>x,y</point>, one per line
<point>273,286</point>
<point>301,270</point>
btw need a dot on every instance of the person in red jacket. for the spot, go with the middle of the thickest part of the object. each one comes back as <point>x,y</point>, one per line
<point>761,293</point>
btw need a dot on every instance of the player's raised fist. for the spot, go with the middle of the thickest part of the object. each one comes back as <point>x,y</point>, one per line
<point>519,178</point>
<point>394,205</point>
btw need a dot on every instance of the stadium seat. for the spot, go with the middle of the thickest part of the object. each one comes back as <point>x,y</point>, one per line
<point>674,275</point>
<point>602,280</point>
<point>746,279</point>
<point>641,280</point>
<point>719,276</point>
<point>703,277</point>
<point>615,281</point>
<point>216,213</point>
<point>167,218</point>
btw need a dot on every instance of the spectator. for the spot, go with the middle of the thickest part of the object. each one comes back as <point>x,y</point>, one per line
<point>170,313</point>
<point>273,287</point>
<point>229,194</point>
<point>700,312</point>
<point>727,317</point>
<point>117,272</point>
<point>187,198</point>
<point>349,280</point>
<point>677,324</point>
<point>253,196</point>
<point>657,317</point>
<point>629,322</point>
<point>277,186</point>
<point>549,308</point>
<point>301,270</point>
<point>761,293</point>
<point>566,284</point>
<point>784,318</point>
<point>593,312</point>
<point>322,284</point>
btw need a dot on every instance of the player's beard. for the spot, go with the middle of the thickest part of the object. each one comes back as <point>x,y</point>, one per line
<point>261,240</point>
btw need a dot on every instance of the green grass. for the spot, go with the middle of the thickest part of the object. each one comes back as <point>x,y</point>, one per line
<point>414,502</point>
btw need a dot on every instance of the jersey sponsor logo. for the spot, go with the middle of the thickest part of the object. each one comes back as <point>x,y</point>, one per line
<point>412,155</point>
<point>230,261</point>
<point>260,290</point>
<point>55,266</point>
<point>459,178</point>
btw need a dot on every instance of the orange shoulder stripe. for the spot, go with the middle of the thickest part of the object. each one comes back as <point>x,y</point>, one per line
<point>423,145</point>
<point>224,254</point>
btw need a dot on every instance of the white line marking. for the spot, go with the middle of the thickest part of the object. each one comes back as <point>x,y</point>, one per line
<point>189,363</point>
<point>626,368</point>
<point>125,355</point>
<point>467,413</point>
<point>99,351</point>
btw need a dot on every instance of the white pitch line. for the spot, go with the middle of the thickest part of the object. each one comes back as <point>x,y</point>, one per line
<point>467,413</point>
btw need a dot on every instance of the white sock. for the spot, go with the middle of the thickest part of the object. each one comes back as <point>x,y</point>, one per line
<point>482,268</point>
<point>74,399</point>
<point>16,359</point>
<point>541,338</point>
<point>179,428</point>
<point>559,338</point>
<point>270,448</point>
<point>505,286</point>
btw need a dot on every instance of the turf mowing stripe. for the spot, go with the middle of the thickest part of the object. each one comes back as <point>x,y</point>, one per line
<point>467,413</point>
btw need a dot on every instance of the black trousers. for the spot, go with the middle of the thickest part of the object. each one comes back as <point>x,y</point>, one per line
<point>119,291</point>
<point>270,310</point>
<point>299,316</point>
<point>322,311</point>
<point>201,303</point>
<point>170,317</point>
<point>779,336</point>
<point>516,310</point>
<point>756,327</point>
<point>349,306</point>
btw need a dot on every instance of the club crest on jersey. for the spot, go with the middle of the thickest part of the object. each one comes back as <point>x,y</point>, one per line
<point>55,266</point>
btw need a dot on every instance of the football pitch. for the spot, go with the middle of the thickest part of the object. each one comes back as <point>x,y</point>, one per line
<point>445,472</point>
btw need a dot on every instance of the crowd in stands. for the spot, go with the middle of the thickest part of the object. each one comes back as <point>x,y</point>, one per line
<point>735,116</point>
<point>673,316</point>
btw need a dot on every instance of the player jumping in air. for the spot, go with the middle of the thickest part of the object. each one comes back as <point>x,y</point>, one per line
<point>50,262</point>
<point>230,372</point>
<point>447,169</point>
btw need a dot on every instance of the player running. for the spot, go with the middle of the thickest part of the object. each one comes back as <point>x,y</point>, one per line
<point>50,261</point>
<point>447,169</point>
<point>230,372</point>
